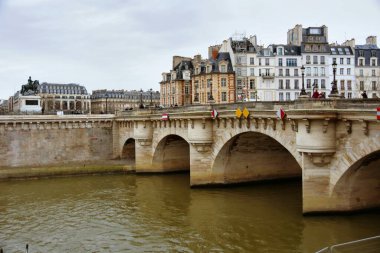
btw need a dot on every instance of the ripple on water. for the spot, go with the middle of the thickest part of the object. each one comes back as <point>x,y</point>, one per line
<point>121,213</point>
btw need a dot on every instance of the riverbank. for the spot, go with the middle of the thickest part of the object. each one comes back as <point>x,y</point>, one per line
<point>67,169</point>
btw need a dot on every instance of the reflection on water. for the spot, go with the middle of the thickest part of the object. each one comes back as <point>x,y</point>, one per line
<point>160,213</point>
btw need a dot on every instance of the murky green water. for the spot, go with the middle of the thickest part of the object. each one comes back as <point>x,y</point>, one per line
<point>160,213</point>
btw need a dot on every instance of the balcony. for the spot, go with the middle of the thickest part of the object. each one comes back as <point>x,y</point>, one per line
<point>267,76</point>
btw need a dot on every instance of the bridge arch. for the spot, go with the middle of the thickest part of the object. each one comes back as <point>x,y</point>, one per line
<point>128,151</point>
<point>172,153</point>
<point>359,186</point>
<point>249,156</point>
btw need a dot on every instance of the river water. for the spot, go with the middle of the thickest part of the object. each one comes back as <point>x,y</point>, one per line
<point>161,213</point>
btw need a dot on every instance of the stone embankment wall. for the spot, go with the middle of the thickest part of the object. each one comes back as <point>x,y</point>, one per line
<point>65,145</point>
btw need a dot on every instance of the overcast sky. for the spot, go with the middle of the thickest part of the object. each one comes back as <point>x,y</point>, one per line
<point>127,44</point>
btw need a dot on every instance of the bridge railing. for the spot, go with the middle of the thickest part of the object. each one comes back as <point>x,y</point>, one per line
<point>308,104</point>
<point>367,245</point>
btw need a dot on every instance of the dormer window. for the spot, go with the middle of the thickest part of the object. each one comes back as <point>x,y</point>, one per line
<point>280,51</point>
<point>223,68</point>
<point>208,69</point>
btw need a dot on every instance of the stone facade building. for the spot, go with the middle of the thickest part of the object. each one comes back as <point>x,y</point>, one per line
<point>367,63</point>
<point>69,98</point>
<point>213,79</point>
<point>344,58</point>
<point>109,101</point>
<point>175,86</point>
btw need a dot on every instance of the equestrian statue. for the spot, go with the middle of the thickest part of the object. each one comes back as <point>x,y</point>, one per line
<point>31,88</point>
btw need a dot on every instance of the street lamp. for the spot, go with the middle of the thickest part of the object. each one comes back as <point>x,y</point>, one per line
<point>106,96</point>
<point>303,93</point>
<point>334,89</point>
<point>151,101</point>
<point>141,100</point>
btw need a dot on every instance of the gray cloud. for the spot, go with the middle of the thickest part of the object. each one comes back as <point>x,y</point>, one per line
<point>127,44</point>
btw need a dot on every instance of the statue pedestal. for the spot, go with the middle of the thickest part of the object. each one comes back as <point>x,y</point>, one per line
<point>30,104</point>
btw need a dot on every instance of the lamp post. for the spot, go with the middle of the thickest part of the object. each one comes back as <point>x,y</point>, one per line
<point>141,100</point>
<point>151,99</point>
<point>106,96</point>
<point>303,93</point>
<point>334,90</point>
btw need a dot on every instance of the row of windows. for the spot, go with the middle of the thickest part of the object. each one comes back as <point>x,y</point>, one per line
<point>315,59</point>
<point>374,86</point>
<point>373,62</point>
<point>316,71</point>
<point>361,72</point>
<point>341,61</point>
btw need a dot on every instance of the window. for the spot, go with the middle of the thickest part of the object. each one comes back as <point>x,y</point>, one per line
<point>348,71</point>
<point>296,95</point>
<point>323,84</point>
<point>349,85</point>
<point>341,61</point>
<point>259,62</point>
<point>374,85</point>
<point>373,62</point>
<point>308,83</point>
<point>208,83</point>
<point>361,85</point>
<point>287,94</point>
<point>287,72</point>
<point>334,60</point>
<point>238,71</point>
<point>315,84</point>
<point>280,84</point>
<point>308,59</point>
<point>252,61</point>
<point>223,68</point>
<point>361,53</point>
<point>315,59</point>
<point>373,53</point>
<point>349,95</point>
<point>361,62</point>
<point>238,60</point>
<point>308,71</point>
<point>287,84</point>
<point>186,89</point>
<point>373,72</point>
<point>267,72</point>
<point>280,62</point>
<point>315,71</point>
<point>280,72</point>
<point>224,96</point>
<point>280,51</point>
<point>296,85</point>
<point>252,84</point>
<point>361,72</point>
<point>208,69</point>
<point>281,96</point>
<point>239,83</point>
<point>322,60</point>
<point>267,61</point>
<point>342,85</point>
<point>341,71</point>
<point>348,61</point>
<point>252,71</point>
<point>295,72</point>
<point>291,62</point>
<point>223,82</point>
<point>323,72</point>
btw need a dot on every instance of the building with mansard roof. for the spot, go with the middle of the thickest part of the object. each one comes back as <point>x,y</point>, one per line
<point>110,101</point>
<point>69,98</point>
<point>367,63</point>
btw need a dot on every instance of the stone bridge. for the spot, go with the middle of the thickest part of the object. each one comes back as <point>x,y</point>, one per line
<point>334,145</point>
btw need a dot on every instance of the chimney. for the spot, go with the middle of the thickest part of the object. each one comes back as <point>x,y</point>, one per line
<point>371,40</point>
<point>253,40</point>
<point>350,43</point>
